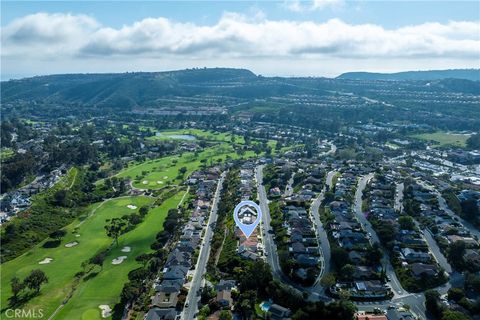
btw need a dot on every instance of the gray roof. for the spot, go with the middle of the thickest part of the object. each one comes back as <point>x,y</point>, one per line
<point>170,286</point>
<point>161,314</point>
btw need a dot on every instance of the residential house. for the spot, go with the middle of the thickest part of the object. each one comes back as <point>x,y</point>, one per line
<point>277,312</point>
<point>224,292</point>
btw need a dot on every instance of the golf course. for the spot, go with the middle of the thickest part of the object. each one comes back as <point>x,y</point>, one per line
<point>77,292</point>
<point>442,138</point>
<point>188,134</point>
<point>84,239</point>
<point>156,174</point>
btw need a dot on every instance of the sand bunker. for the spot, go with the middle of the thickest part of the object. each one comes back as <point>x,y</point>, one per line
<point>119,260</point>
<point>46,261</point>
<point>145,182</point>
<point>77,235</point>
<point>126,249</point>
<point>71,244</point>
<point>131,206</point>
<point>106,310</point>
<point>165,177</point>
<point>160,182</point>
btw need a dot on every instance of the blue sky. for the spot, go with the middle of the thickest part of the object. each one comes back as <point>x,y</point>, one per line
<point>388,13</point>
<point>321,37</point>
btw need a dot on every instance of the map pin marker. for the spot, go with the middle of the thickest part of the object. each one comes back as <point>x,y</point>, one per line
<point>247,209</point>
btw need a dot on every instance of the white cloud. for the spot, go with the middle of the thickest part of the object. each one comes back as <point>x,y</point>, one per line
<point>313,5</point>
<point>322,4</point>
<point>234,36</point>
<point>48,33</point>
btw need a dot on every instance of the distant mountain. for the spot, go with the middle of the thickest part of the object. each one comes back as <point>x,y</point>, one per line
<point>125,91</point>
<point>143,89</point>
<point>468,74</point>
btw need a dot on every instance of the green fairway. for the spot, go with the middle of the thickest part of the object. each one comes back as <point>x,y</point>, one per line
<point>67,261</point>
<point>442,138</point>
<point>105,288</point>
<point>198,134</point>
<point>155,174</point>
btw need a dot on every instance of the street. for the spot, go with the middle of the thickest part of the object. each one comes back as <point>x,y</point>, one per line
<point>269,243</point>
<point>191,305</point>
<point>443,206</point>
<point>394,282</point>
<point>322,237</point>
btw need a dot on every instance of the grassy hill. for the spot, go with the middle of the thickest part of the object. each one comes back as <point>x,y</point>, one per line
<point>122,89</point>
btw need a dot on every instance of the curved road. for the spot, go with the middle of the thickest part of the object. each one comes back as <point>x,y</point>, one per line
<point>394,282</point>
<point>321,233</point>
<point>271,248</point>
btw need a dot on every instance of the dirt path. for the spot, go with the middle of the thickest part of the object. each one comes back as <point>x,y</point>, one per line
<point>183,198</point>
<point>219,251</point>
<point>73,180</point>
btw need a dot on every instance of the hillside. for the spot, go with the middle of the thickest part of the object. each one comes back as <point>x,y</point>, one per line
<point>467,74</point>
<point>125,89</point>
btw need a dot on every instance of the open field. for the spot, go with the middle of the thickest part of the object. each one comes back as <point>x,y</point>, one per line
<point>67,261</point>
<point>105,288</point>
<point>155,174</point>
<point>442,138</point>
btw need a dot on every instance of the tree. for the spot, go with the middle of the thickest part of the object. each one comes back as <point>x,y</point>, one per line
<point>374,254</point>
<point>129,292</point>
<point>245,304</point>
<point>143,258</point>
<point>431,303</point>
<point>343,309</point>
<point>204,311</point>
<point>122,187</point>
<point>455,254</point>
<point>98,259</point>
<point>328,280</point>
<point>225,315</point>
<point>58,234</point>
<point>455,294</point>
<point>61,197</point>
<point>454,315</point>
<point>406,223</point>
<point>339,257</point>
<point>17,287</point>
<point>386,232</point>
<point>300,315</point>
<point>206,294</point>
<point>470,209</point>
<point>473,142</point>
<point>329,196</point>
<point>347,272</point>
<point>115,228</point>
<point>472,282</point>
<point>35,280</point>
<point>143,211</point>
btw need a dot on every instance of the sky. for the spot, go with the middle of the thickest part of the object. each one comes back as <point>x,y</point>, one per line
<point>281,38</point>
